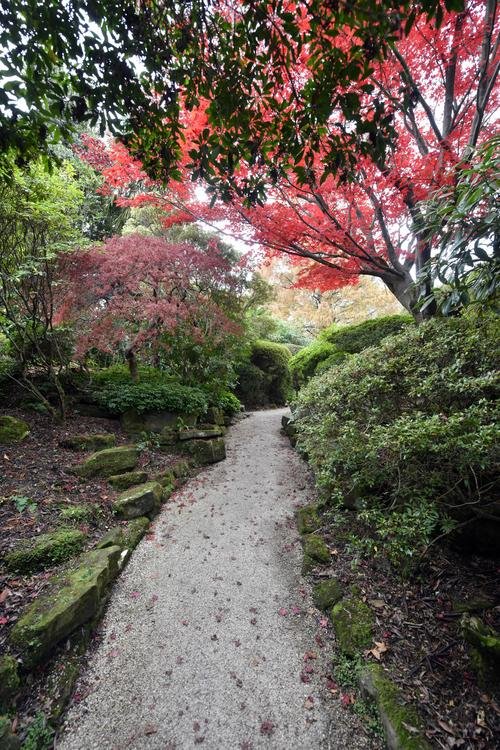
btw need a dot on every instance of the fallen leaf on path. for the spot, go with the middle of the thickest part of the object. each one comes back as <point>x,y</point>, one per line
<point>283,612</point>
<point>379,649</point>
<point>267,728</point>
<point>150,729</point>
<point>309,703</point>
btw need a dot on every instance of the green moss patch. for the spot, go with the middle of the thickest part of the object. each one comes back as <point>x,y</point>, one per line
<point>353,622</point>
<point>327,593</point>
<point>72,599</point>
<point>485,651</point>
<point>135,531</point>
<point>113,538</point>
<point>402,726</point>
<point>12,430</point>
<point>89,442</point>
<point>308,519</point>
<point>145,499</point>
<point>9,680</point>
<point>108,462</point>
<point>128,479</point>
<point>45,550</point>
<point>315,552</point>
<point>78,513</point>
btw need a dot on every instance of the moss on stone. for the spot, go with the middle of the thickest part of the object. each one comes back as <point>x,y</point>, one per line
<point>308,519</point>
<point>62,685</point>
<point>402,725</point>
<point>78,513</point>
<point>205,451</point>
<point>108,462</point>
<point>201,432</point>
<point>485,651</point>
<point>327,593</point>
<point>9,680</point>
<point>12,430</point>
<point>89,441</point>
<point>181,469</point>
<point>113,538</point>
<point>72,599</point>
<point>145,499</point>
<point>315,552</point>
<point>8,741</point>
<point>135,531</point>
<point>166,478</point>
<point>129,479</point>
<point>45,550</point>
<point>353,622</point>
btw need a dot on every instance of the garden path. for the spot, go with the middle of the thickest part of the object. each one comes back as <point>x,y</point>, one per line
<point>204,640</point>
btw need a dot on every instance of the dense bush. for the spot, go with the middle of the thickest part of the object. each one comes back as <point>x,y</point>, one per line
<point>115,390</point>
<point>407,433</point>
<point>303,364</point>
<point>335,343</point>
<point>265,378</point>
<point>353,339</point>
<point>228,402</point>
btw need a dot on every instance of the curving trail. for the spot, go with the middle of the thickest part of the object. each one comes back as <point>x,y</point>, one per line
<point>204,639</point>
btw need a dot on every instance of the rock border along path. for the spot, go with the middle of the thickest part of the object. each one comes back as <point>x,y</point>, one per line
<point>210,638</point>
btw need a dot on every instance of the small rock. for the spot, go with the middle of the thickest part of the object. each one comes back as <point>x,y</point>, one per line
<point>145,499</point>
<point>128,479</point>
<point>108,462</point>
<point>89,442</point>
<point>12,430</point>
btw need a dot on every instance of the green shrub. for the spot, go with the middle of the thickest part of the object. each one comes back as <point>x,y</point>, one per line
<point>146,397</point>
<point>408,432</point>
<point>303,364</point>
<point>114,389</point>
<point>332,361</point>
<point>40,735</point>
<point>354,339</point>
<point>265,379</point>
<point>228,402</point>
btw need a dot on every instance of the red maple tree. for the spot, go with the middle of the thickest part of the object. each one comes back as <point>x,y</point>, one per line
<point>437,89</point>
<point>141,293</point>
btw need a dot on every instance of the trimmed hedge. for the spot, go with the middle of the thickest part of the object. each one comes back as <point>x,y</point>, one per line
<point>265,379</point>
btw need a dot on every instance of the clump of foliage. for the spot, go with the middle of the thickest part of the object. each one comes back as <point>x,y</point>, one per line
<point>152,390</point>
<point>407,433</point>
<point>264,378</point>
<point>303,364</point>
<point>335,343</point>
<point>355,338</point>
<point>228,402</point>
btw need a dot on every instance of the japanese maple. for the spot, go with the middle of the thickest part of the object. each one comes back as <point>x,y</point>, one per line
<point>140,293</point>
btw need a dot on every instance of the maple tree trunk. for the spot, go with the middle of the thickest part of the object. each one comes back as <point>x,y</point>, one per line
<point>132,363</point>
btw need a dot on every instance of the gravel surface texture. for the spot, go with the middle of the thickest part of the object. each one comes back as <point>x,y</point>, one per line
<point>210,638</point>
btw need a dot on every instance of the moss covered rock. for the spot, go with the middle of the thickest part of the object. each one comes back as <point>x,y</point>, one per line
<point>485,652</point>
<point>9,680</point>
<point>128,479</point>
<point>72,599</point>
<point>214,415</point>
<point>353,622</point>
<point>135,531</point>
<point>205,451</point>
<point>145,499</point>
<point>316,552</point>
<point>8,740</point>
<point>108,462</point>
<point>308,519</point>
<point>167,480</point>
<point>45,550</point>
<point>402,725</point>
<point>113,538</point>
<point>181,469</point>
<point>12,430</point>
<point>327,593</point>
<point>203,432</point>
<point>89,442</point>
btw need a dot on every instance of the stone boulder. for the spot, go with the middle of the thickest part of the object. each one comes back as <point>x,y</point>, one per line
<point>215,415</point>
<point>45,550</point>
<point>12,430</point>
<point>89,441</point>
<point>203,432</point>
<point>136,529</point>
<point>485,651</point>
<point>73,598</point>
<point>108,462</point>
<point>205,451</point>
<point>308,519</point>
<point>135,423</point>
<point>316,552</point>
<point>9,680</point>
<point>143,500</point>
<point>129,479</point>
<point>327,593</point>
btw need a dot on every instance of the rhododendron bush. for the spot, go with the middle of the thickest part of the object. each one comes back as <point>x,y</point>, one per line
<point>173,303</point>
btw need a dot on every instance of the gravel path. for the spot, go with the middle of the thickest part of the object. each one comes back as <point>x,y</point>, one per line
<point>205,637</point>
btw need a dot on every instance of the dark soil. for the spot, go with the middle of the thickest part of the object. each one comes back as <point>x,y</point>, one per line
<point>35,487</point>
<point>417,634</point>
